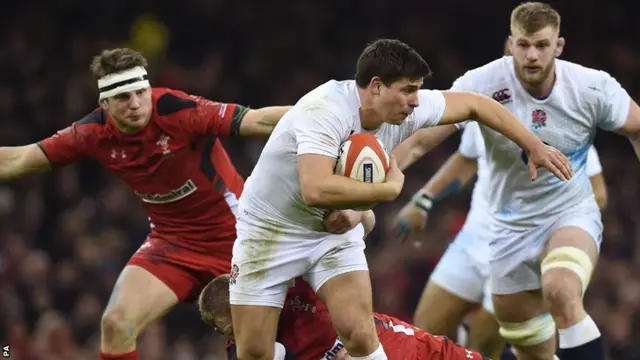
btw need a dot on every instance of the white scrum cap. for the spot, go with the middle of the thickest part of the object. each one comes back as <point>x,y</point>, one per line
<point>132,79</point>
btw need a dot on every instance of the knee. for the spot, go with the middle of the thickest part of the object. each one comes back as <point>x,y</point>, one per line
<point>116,325</point>
<point>566,272</point>
<point>559,290</point>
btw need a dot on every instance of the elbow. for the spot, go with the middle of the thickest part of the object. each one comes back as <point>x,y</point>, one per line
<point>312,194</point>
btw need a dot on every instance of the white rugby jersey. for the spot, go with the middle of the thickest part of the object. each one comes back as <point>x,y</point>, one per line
<point>582,100</point>
<point>318,124</point>
<point>472,147</point>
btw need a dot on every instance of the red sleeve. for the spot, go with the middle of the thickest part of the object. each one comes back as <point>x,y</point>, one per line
<point>215,118</point>
<point>64,147</point>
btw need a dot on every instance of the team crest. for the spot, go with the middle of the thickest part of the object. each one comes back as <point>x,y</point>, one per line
<point>163,144</point>
<point>233,275</point>
<point>538,119</point>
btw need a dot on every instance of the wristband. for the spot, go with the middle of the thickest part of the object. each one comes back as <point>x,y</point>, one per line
<point>423,201</point>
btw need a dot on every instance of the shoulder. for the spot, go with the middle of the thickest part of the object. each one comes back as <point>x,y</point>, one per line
<point>486,78</point>
<point>94,118</point>
<point>583,85</point>
<point>168,101</point>
<point>582,78</point>
<point>90,126</point>
<point>331,98</point>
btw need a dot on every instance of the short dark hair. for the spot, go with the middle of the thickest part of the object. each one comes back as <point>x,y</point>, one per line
<point>214,299</point>
<point>390,60</point>
<point>112,61</point>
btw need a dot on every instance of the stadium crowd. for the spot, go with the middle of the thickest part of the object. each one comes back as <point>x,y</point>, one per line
<point>65,235</point>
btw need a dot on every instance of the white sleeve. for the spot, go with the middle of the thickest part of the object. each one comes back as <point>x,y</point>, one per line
<point>431,108</point>
<point>593,162</point>
<point>613,106</point>
<point>319,131</point>
<point>463,83</point>
<point>471,142</point>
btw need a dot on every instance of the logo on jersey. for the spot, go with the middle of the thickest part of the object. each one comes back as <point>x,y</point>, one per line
<point>337,346</point>
<point>233,274</point>
<point>163,144</point>
<point>538,119</point>
<point>118,154</point>
<point>502,96</point>
<point>174,195</point>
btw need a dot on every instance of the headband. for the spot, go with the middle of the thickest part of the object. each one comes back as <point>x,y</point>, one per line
<point>128,80</point>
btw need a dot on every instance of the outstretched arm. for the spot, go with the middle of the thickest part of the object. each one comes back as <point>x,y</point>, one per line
<point>207,117</point>
<point>60,149</point>
<point>18,161</point>
<point>420,143</point>
<point>260,122</point>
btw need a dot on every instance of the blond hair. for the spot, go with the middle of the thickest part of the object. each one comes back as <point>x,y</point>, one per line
<point>532,17</point>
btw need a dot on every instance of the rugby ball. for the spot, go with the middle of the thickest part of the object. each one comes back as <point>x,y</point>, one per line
<point>362,157</point>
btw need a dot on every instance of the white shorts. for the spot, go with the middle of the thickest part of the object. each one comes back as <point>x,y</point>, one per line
<point>266,261</point>
<point>515,263</point>
<point>463,274</point>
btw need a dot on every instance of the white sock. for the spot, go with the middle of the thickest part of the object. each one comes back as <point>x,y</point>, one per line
<point>379,354</point>
<point>578,334</point>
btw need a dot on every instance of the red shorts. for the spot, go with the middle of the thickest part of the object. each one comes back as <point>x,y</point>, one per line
<point>184,270</point>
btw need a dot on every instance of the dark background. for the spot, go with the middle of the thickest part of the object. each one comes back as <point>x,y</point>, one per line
<point>66,235</point>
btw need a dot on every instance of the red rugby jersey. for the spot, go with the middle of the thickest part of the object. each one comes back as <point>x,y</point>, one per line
<point>176,164</point>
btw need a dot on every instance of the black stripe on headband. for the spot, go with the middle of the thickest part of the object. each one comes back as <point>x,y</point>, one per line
<point>124,82</point>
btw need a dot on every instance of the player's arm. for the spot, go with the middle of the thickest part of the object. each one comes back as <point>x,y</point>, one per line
<point>319,134</point>
<point>462,106</point>
<point>599,190</point>
<point>450,178</point>
<point>214,118</point>
<point>18,161</point>
<point>260,122</point>
<point>60,149</point>
<point>420,143</point>
<point>598,184</point>
<point>631,126</point>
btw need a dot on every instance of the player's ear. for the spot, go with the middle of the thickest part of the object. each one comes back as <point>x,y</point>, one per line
<point>375,85</point>
<point>509,45</point>
<point>103,104</point>
<point>559,47</point>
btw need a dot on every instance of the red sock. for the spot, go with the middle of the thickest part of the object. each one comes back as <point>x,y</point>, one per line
<point>126,356</point>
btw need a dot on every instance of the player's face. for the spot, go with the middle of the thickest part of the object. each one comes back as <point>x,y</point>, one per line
<point>534,54</point>
<point>131,111</point>
<point>395,102</point>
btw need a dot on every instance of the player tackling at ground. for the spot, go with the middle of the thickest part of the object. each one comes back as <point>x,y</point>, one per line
<point>461,280</point>
<point>545,235</point>
<point>281,234</point>
<point>305,331</point>
<point>163,144</point>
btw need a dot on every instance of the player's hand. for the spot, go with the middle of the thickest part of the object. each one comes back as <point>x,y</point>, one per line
<point>410,220</point>
<point>395,177</point>
<point>550,158</point>
<point>341,221</point>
